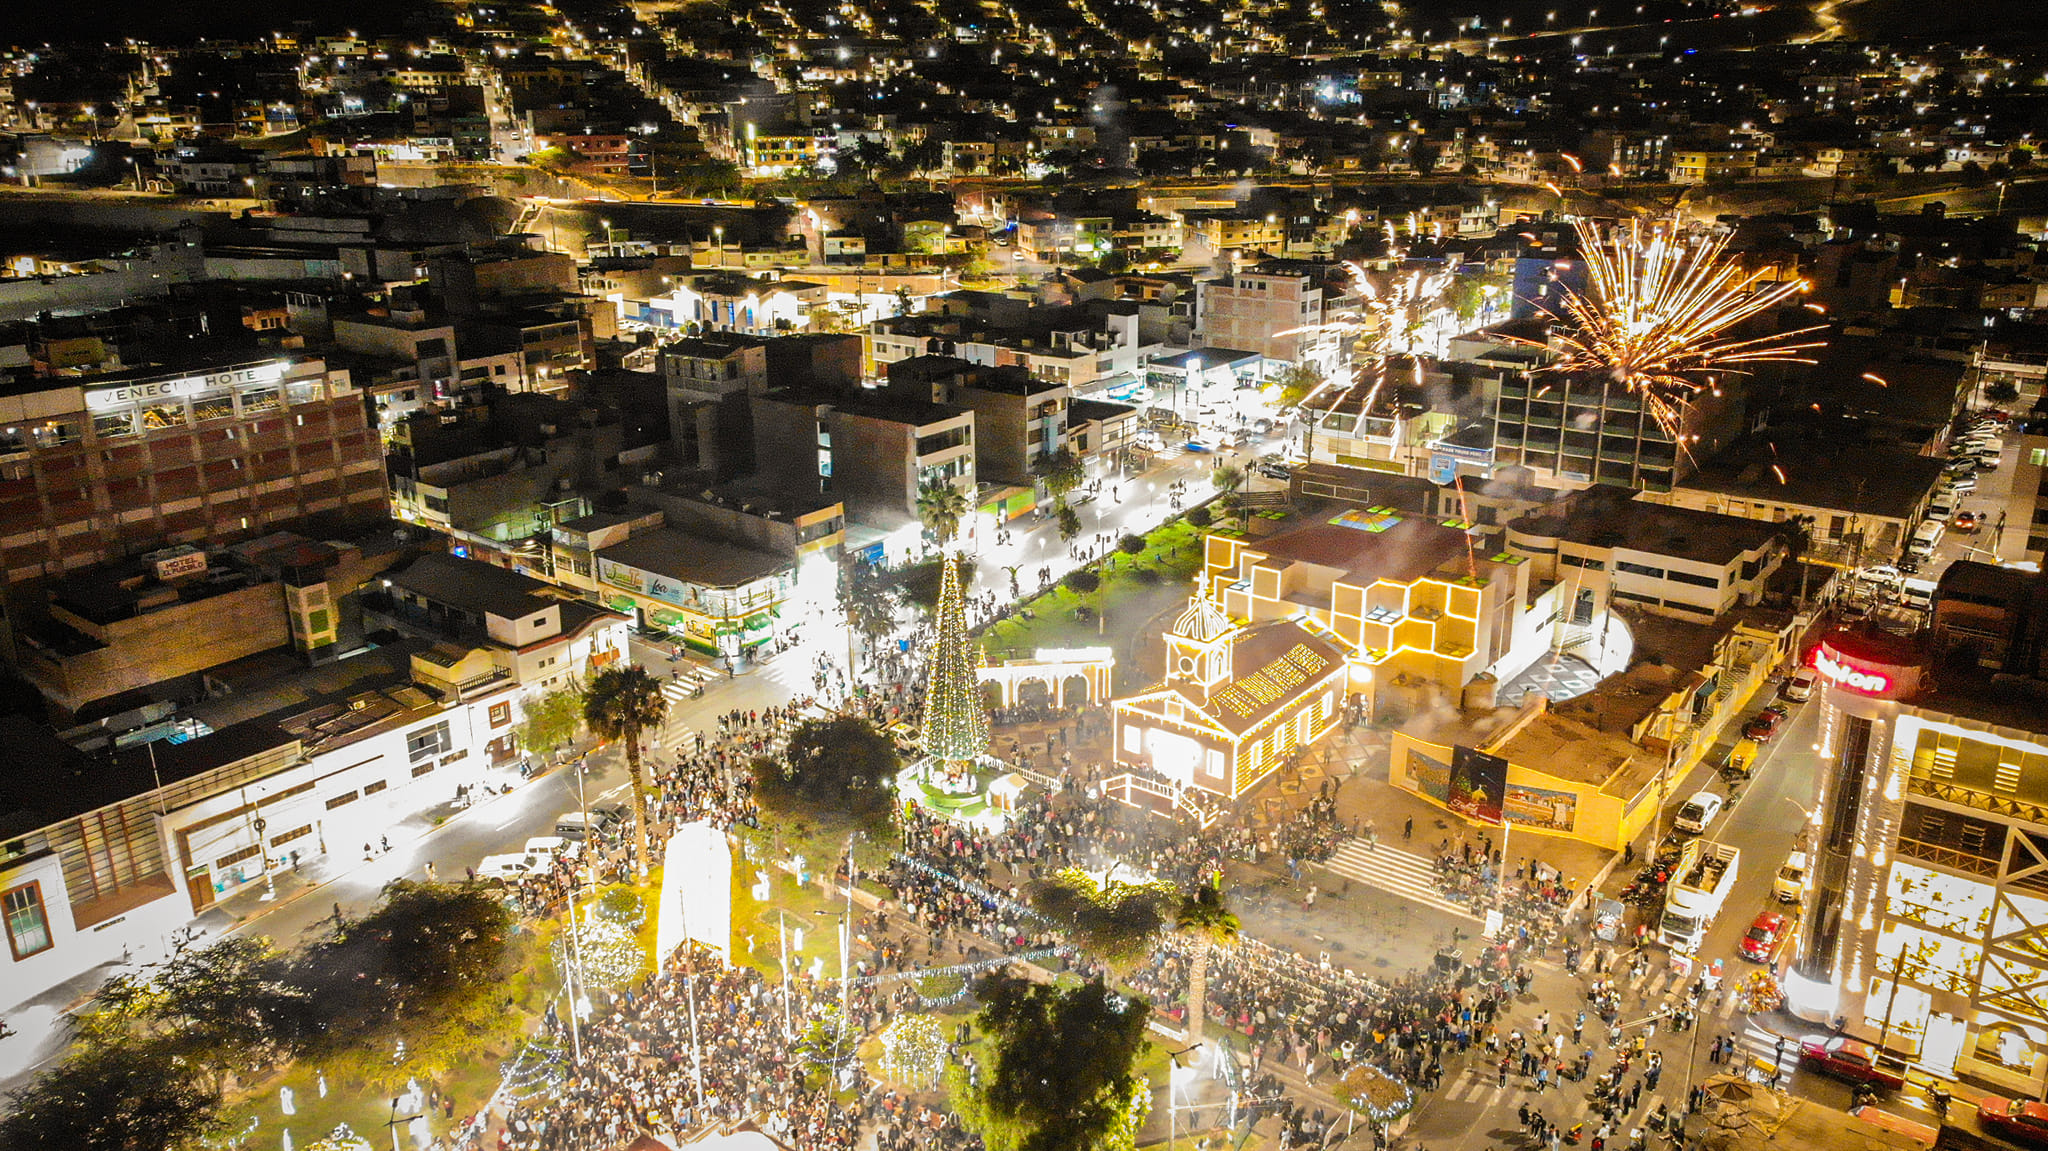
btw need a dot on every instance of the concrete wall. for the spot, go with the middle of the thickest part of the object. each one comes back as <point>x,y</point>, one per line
<point>163,645</point>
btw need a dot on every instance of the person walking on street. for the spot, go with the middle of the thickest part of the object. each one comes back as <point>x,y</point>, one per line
<point>1408,829</point>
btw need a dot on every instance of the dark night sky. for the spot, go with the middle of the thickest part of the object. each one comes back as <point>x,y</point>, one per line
<point>25,22</point>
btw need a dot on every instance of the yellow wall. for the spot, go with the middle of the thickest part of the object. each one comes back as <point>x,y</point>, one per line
<point>1597,818</point>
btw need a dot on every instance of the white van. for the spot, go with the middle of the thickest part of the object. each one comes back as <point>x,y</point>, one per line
<point>1925,537</point>
<point>1944,504</point>
<point>1917,594</point>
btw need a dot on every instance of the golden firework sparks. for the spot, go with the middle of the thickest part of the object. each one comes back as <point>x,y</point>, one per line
<point>1656,310</point>
<point>1383,324</point>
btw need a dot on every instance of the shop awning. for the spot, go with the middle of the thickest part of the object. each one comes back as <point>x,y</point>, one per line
<point>665,618</point>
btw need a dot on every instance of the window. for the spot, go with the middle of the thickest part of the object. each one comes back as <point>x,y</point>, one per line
<point>374,788</point>
<point>501,714</point>
<point>295,833</point>
<point>346,797</point>
<point>428,742</point>
<point>28,929</point>
<point>1582,562</point>
<point>1639,569</point>
<point>1695,580</point>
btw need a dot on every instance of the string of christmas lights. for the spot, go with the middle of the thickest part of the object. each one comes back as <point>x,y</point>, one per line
<point>609,953</point>
<point>538,1069</point>
<point>979,891</point>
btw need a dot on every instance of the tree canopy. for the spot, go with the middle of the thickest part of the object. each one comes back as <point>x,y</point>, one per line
<point>426,968</point>
<point>132,1096</point>
<point>1117,922</point>
<point>552,719</point>
<point>621,703</point>
<point>844,763</point>
<point>1064,1068</point>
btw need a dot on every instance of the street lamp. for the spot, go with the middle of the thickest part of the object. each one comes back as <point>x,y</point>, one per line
<point>718,230</point>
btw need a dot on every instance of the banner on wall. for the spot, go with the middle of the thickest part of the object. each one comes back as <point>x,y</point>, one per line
<point>1479,784</point>
<point>1432,775</point>
<point>1541,808</point>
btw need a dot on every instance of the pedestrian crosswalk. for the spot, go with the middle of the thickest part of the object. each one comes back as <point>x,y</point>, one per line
<point>1390,869</point>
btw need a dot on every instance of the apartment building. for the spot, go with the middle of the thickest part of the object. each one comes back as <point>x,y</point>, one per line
<point>94,468</point>
<point>873,452</point>
<point>1279,309</point>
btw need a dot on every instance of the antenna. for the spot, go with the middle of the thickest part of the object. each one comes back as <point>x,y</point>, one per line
<point>161,807</point>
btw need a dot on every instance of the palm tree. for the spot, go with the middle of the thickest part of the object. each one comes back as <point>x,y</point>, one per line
<point>620,703</point>
<point>1119,923</point>
<point>1227,480</point>
<point>941,507</point>
<point>1205,921</point>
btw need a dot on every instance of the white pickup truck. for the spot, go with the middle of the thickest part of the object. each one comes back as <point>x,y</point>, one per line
<point>1699,887</point>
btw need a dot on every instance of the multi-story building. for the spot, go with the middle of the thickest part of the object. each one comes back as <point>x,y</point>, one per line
<point>723,571</point>
<point>105,859</point>
<point>1280,309</point>
<point>1927,911</point>
<point>1580,429</point>
<point>1611,550</point>
<point>1409,598</point>
<point>99,467</point>
<point>871,452</point>
<point>494,625</point>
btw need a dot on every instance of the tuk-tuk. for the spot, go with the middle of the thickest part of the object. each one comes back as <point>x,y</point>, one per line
<point>1740,759</point>
<point>1607,918</point>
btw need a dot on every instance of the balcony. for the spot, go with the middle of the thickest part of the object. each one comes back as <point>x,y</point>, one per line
<point>2005,805</point>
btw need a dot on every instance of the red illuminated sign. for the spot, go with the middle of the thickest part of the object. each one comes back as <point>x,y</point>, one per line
<point>1855,679</point>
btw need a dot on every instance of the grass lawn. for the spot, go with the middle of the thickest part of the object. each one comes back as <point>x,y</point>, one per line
<point>1126,600</point>
<point>367,1109</point>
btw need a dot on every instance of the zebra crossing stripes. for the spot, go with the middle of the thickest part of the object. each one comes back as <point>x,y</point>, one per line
<point>1392,870</point>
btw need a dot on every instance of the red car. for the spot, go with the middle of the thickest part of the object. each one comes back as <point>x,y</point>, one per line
<point>1764,725</point>
<point>2014,1118</point>
<point>1762,937</point>
<point>1851,1059</point>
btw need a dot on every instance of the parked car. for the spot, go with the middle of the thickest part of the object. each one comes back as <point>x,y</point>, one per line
<point>1272,471</point>
<point>1763,725</point>
<point>511,866</point>
<point>1799,688</point>
<point>1852,1060</point>
<point>545,847</point>
<point>1789,885</point>
<point>1761,940</point>
<point>1963,484</point>
<point>2014,1118</point>
<point>1883,575</point>
<point>1196,446</point>
<point>1698,812</point>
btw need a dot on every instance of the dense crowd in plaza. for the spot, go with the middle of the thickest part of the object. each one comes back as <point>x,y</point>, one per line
<point>960,894</point>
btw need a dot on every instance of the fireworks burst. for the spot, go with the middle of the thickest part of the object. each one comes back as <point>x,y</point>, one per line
<point>1655,312</point>
<point>1383,324</point>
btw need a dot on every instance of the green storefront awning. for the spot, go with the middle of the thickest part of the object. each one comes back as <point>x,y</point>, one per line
<point>622,603</point>
<point>663,618</point>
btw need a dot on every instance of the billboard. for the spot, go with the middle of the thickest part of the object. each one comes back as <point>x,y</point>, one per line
<point>1542,808</point>
<point>1479,784</point>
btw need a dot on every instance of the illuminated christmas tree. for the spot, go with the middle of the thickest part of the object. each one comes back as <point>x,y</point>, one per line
<point>955,723</point>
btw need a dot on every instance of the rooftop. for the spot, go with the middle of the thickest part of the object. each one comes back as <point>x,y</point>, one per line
<point>1612,518</point>
<point>1385,546</point>
<point>1856,478</point>
<point>1273,662</point>
<point>694,559</point>
<point>473,585</point>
